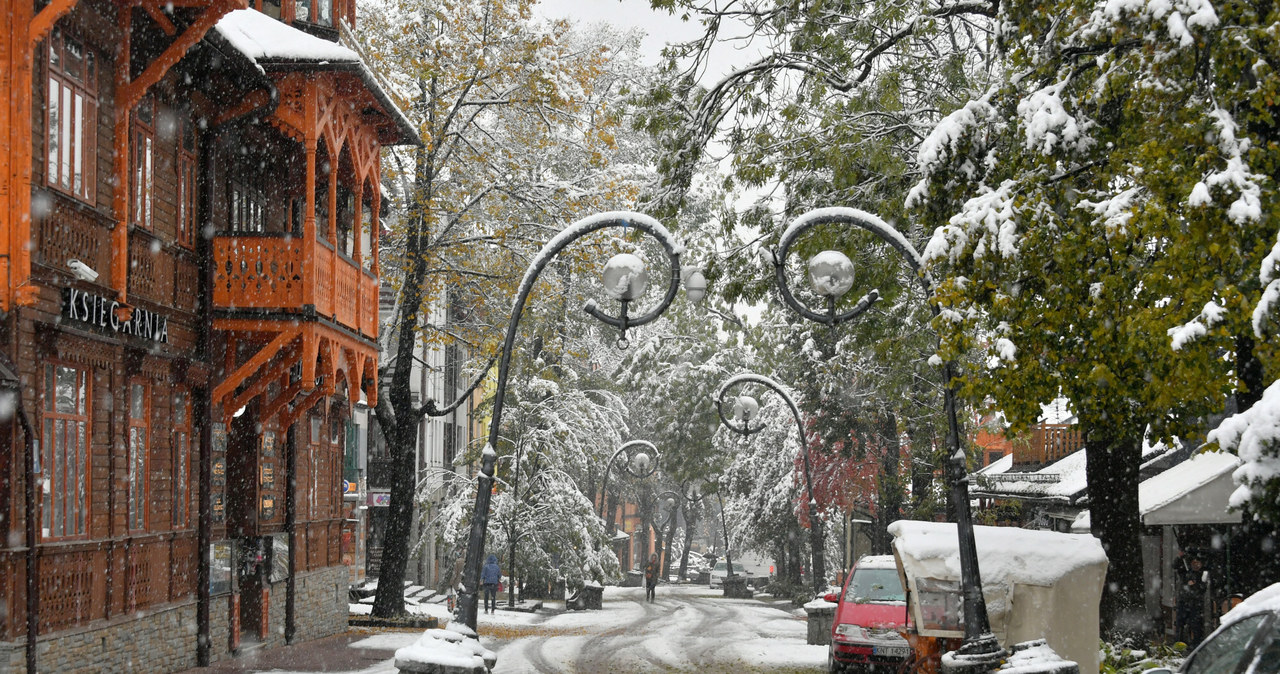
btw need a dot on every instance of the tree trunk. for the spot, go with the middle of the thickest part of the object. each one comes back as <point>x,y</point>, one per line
<point>690,523</point>
<point>1249,374</point>
<point>389,601</point>
<point>890,491</point>
<point>1113,460</point>
<point>666,547</point>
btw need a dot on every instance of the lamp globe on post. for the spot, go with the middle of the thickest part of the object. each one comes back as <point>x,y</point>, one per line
<point>625,277</point>
<point>831,273</point>
<point>745,408</point>
<point>695,284</point>
<point>640,463</point>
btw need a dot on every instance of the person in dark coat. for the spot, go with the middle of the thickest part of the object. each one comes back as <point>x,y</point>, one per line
<point>490,576</point>
<point>1192,580</point>
<point>651,571</point>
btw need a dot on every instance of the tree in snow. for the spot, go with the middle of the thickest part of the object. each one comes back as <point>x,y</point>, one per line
<point>668,378</point>
<point>520,134</point>
<point>1102,219</point>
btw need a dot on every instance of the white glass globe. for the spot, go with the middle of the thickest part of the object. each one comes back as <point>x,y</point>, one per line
<point>695,287</point>
<point>831,273</point>
<point>625,277</point>
<point>640,463</point>
<point>745,408</point>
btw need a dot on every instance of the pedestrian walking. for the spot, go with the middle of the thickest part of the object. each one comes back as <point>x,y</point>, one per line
<point>651,571</point>
<point>490,576</point>
<point>1191,596</point>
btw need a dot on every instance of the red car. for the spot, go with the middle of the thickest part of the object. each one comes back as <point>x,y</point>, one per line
<point>872,609</point>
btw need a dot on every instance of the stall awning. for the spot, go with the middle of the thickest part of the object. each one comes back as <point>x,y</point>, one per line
<point>1192,492</point>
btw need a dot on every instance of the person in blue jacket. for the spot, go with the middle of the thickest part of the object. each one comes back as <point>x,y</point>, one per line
<point>490,576</point>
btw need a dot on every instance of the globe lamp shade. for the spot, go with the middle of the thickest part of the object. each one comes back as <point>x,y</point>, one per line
<point>831,273</point>
<point>625,277</point>
<point>745,408</point>
<point>640,463</point>
<point>695,287</point>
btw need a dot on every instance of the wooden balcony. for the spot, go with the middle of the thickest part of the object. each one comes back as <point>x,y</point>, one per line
<point>268,272</point>
<point>1048,443</point>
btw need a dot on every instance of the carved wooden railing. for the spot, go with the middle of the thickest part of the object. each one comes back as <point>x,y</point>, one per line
<point>73,233</point>
<point>265,271</point>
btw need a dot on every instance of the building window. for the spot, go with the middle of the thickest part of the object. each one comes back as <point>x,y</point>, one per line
<point>181,460</point>
<point>187,186</point>
<point>139,436</point>
<point>66,451</point>
<point>248,209</point>
<point>143,159</point>
<point>71,116</point>
<point>313,456</point>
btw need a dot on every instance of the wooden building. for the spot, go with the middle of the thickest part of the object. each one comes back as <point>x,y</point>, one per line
<point>188,312</point>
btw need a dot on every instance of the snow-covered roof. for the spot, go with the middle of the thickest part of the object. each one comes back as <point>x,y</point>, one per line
<point>1006,555</point>
<point>263,38</point>
<point>274,45</point>
<point>877,562</point>
<point>1195,491</point>
<point>1062,480</point>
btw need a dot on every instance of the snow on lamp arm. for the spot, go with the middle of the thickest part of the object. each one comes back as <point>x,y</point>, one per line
<point>832,275</point>
<point>616,270</point>
<point>745,408</point>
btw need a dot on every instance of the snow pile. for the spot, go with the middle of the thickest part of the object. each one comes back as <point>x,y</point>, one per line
<point>1032,656</point>
<point>447,648</point>
<point>262,38</point>
<point>1254,435</point>
<point>1266,599</point>
<point>1006,555</point>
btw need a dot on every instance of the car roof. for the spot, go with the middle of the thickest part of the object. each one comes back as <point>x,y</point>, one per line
<point>877,562</point>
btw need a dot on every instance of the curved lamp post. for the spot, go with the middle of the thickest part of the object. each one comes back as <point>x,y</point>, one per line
<point>831,273</point>
<point>625,281</point>
<point>639,464</point>
<point>746,409</point>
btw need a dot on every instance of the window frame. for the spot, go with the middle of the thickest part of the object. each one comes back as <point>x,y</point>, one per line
<point>71,153</point>
<point>188,181</point>
<point>55,494</point>
<point>182,435</point>
<point>138,485</point>
<point>142,163</point>
<point>246,209</point>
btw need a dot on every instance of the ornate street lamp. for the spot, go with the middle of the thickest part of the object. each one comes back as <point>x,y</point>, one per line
<point>638,464</point>
<point>831,273</point>
<point>745,410</point>
<point>622,279</point>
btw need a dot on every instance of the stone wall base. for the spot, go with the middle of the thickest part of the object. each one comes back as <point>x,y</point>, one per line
<point>164,639</point>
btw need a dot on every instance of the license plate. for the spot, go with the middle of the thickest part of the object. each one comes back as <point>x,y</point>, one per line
<point>890,651</point>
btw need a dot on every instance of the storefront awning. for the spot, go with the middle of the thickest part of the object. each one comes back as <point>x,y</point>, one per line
<point>1192,492</point>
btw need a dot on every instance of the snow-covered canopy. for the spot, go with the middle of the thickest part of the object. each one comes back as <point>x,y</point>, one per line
<point>263,38</point>
<point>1037,584</point>
<point>1195,491</point>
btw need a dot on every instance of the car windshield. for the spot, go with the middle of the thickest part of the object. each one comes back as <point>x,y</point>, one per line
<point>875,586</point>
<point>1224,651</point>
<point>720,566</point>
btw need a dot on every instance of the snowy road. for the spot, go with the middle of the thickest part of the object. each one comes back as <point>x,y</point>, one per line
<point>686,629</point>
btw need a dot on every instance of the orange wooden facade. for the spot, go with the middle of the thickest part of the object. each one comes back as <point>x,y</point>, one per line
<point>191,318</point>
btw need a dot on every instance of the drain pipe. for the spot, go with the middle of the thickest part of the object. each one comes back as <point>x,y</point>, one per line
<point>11,384</point>
<point>204,210</point>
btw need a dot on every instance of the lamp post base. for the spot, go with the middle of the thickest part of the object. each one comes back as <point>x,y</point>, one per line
<point>979,655</point>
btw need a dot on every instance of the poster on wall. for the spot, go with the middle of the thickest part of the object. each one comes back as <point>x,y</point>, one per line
<point>279,557</point>
<point>267,507</point>
<point>220,568</point>
<point>218,508</point>
<point>268,444</point>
